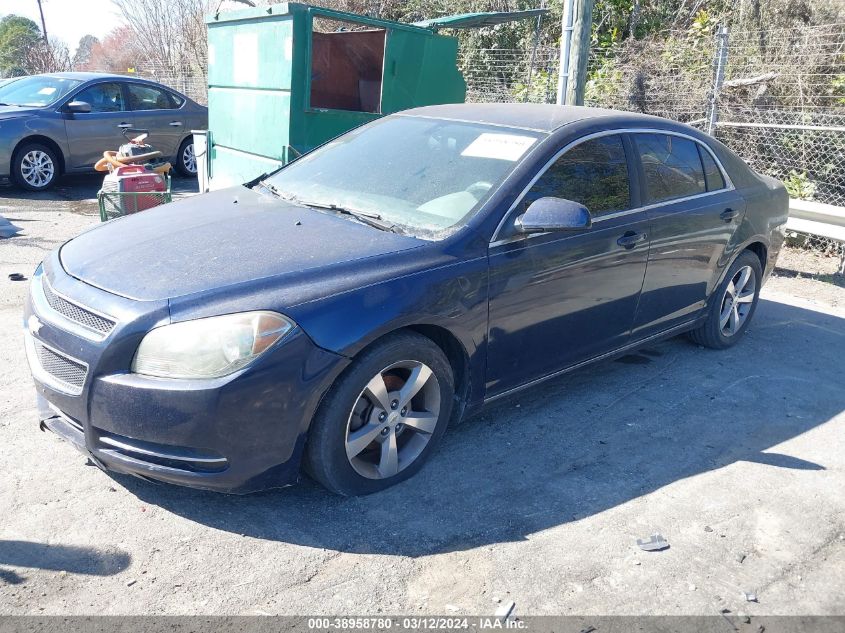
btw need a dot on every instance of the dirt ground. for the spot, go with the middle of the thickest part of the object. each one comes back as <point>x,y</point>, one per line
<point>737,458</point>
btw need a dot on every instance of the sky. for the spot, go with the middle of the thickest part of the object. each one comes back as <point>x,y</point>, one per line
<point>68,20</point>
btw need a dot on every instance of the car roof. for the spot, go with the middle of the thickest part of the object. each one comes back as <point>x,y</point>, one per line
<point>542,117</point>
<point>88,76</point>
<point>84,76</point>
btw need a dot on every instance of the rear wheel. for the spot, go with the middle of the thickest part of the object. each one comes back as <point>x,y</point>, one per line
<point>186,160</point>
<point>382,418</point>
<point>35,167</point>
<point>732,305</point>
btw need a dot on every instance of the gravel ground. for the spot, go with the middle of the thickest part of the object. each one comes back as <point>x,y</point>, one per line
<point>816,271</point>
<point>736,457</point>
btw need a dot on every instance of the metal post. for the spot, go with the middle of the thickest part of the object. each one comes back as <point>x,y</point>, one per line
<point>534,51</point>
<point>720,62</point>
<point>565,49</point>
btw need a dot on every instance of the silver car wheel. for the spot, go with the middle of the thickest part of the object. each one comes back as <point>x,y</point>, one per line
<point>393,419</point>
<point>737,301</point>
<point>189,159</point>
<point>37,168</point>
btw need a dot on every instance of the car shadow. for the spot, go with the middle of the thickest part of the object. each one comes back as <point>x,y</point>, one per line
<point>72,559</point>
<point>570,448</point>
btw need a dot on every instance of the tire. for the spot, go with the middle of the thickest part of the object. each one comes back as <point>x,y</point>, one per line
<point>348,449</point>
<point>725,313</point>
<point>186,160</point>
<point>35,167</point>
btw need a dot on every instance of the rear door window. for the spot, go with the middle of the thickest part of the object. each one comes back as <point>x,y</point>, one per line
<point>672,167</point>
<point>593,173</point>
<point>149,98</point>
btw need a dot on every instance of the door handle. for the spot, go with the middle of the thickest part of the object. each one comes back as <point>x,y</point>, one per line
<point>175,124</point>
<point>728,214</point>
<point>124,125</point>
<point>631,239</point>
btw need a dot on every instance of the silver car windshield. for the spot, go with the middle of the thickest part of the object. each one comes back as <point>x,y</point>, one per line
<point>37,91</point>
<point>426,176</point>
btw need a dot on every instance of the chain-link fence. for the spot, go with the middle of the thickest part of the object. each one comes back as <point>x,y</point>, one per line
<point>502,75</point>
<point>782,107</point>
<point>780,103</point>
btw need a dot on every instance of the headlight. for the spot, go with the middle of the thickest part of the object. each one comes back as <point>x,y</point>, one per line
<point>208,348</point>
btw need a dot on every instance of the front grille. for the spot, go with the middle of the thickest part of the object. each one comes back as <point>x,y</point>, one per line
<point>62,368</point>
<point>76,313</point>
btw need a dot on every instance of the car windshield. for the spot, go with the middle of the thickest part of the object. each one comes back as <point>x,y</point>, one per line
<point>39,90</point>
<point>426,177</point>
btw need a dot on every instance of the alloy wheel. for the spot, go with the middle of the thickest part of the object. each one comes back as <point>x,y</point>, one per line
<point>737,301</point>
<point>37,168</point>
<point>393,419</point>
<point>189,159</point>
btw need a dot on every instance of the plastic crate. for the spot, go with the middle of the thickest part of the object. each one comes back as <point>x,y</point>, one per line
<point>114,204</point>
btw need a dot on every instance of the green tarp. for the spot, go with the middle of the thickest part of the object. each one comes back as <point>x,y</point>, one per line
<point>479,20</point>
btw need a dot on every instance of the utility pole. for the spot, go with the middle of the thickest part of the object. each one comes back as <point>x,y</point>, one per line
<point>574,51</point>
<point>43,23</point>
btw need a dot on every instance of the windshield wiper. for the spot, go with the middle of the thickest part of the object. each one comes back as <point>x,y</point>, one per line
<point>370,219</point>
<point>263,183</point>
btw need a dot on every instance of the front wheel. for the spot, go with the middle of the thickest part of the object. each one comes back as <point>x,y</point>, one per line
<point>732,305</point>
<point>382,418</point>
<point>35,167</point>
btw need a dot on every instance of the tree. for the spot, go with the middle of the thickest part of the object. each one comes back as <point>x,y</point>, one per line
<point>17,36</point>
<point>82,57</point>
<point>171,36</point>
<point>118,52</point>
<point>46,57</point>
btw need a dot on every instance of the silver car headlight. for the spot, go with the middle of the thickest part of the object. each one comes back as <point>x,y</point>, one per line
<point>210,347</point>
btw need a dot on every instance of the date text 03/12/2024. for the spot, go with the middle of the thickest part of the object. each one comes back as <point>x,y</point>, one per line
<point>428,623</point>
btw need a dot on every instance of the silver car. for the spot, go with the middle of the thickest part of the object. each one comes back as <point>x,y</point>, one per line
<point>63,122</point>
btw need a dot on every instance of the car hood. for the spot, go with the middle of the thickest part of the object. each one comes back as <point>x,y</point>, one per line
<point>214,240</point>
<point>15,112</point>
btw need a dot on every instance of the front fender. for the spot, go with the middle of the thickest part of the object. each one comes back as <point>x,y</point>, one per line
<point>12,130</point>
<point>452,297</point>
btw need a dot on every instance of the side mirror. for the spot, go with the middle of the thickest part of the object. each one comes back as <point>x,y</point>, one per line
<point>78,107</point>
<point>554,214</point>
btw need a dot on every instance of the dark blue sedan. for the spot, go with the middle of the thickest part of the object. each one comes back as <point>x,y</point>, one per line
<point>338,314</point>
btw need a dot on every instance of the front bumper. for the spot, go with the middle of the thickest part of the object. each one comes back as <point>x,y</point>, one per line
<point>237,434</point>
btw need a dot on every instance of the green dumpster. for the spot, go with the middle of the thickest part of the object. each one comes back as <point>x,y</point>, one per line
<point>286,78</point>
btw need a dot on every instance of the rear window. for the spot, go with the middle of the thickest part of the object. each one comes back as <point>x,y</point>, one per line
<point>176,99</point>
<point>712,174</point>
<point>672,167</point>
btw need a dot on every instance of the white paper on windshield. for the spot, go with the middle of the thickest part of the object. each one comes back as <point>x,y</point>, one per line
<point>502,146</point>
<point>47,90</point>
